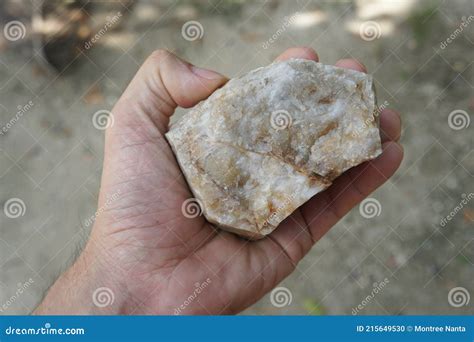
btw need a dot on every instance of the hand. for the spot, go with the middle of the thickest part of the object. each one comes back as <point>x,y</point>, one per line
<point>147,254</point>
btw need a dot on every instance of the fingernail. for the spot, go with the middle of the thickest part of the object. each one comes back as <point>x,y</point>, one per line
<point>205,73</point>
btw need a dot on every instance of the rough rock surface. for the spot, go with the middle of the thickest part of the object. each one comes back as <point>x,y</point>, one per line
<point>266,142</point>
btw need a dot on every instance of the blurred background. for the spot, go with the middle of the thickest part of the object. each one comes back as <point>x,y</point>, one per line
<point>408,250</point>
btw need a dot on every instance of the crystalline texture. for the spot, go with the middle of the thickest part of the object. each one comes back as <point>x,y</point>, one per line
<point>266,142</point>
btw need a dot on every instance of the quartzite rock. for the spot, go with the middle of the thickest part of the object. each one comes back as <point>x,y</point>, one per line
<point>266,142</point>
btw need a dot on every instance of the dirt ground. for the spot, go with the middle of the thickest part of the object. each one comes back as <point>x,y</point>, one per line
<point>404,260</point>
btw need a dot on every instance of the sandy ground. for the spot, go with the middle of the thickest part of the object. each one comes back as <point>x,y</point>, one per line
<point>50,158</point>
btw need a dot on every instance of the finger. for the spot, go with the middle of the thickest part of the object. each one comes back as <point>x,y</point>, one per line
<point>292,239</point>
<point>299,52</point>
<point>328,207</point>
<point>352,64</point>
<point>297,234</point>
<point>390,125</point>
<point>134,143</point>
<point>164,82</point>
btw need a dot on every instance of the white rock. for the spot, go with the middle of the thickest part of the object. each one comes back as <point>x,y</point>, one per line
<point>266,142</point>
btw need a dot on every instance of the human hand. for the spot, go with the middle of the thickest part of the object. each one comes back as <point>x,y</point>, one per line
<point>150,256</point>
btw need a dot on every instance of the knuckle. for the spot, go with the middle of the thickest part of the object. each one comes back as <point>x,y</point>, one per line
<point>160,55</point>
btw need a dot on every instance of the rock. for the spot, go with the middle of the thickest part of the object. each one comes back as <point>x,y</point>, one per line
<point>266,142</point>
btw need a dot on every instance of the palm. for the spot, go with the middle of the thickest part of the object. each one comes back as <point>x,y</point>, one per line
<point>166,253</point>
<point>163,255</point>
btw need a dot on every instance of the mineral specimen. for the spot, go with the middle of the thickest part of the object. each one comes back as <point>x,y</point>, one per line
<point>266,142</point>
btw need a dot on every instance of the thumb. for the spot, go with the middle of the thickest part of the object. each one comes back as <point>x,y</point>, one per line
<point>164,82</point>
<point>135,148</point>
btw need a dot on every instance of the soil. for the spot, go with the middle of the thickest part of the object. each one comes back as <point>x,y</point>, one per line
<point>51,154</point>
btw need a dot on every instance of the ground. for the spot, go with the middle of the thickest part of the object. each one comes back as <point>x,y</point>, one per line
<point>405,260</point>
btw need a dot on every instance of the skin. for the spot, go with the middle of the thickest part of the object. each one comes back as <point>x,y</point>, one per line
<point>148,254</point>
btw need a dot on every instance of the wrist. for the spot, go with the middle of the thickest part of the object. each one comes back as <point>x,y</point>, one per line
<point>89,287</point>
